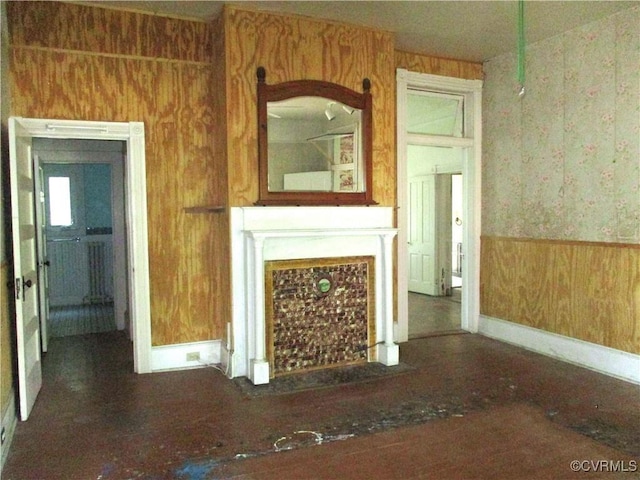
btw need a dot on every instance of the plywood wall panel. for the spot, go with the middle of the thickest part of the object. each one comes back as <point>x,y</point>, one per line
<point>179,78</point>
<point>81,87</point>
<point>86,28</point>
<point>219,105</point>
<point>415,62</point>
<point>275,35</point>
<point>174,98</point>
<point>383,81</point>
<point>609,301</point>
<point>294,48</point>
<point>47,82</point>
<point>348,55</point>
<point>495,275</point>
<point>180,175</point>
<point>242,121</point>
<point>578,289</point>
<point>220,239</point>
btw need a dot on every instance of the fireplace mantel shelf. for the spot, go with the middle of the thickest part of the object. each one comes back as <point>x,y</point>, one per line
<point>317,232</point>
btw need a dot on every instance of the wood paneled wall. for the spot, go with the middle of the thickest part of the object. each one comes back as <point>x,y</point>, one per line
<point>293,48</point>
<point>415,62</point>
<point>106,31</point>
<point>81,62</point>
<point>194,86</point>
<point>589,291</point>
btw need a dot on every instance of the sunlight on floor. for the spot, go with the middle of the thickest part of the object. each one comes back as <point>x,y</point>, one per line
<point>433,315</point>
<point>81,319</point>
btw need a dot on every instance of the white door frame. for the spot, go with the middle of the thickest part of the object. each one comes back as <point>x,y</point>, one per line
<point>136,214</point>
<point>471,142</point>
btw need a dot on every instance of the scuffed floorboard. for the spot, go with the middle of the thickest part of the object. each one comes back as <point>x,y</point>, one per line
<point>95,419</point>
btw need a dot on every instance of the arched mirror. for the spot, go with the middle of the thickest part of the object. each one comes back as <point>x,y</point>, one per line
<point>314,143</point>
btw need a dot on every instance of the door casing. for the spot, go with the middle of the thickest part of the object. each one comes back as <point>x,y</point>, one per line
<point>471,142</point>
<point>135,215</point>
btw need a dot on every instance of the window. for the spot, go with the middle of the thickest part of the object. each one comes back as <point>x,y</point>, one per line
<point>63,199</point>
<point>432,113</point>
<point>60,202</point>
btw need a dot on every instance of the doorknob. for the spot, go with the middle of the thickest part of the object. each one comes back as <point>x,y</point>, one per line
<point>27,284</point>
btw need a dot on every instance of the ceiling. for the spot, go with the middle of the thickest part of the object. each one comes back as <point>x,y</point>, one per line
<point>465,30</point>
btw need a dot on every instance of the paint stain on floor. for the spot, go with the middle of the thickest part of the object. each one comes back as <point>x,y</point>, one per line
<point>196,470</point>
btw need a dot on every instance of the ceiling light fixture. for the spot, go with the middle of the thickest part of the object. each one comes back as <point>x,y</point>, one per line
<point>347,109</point>
<point>327,111</point>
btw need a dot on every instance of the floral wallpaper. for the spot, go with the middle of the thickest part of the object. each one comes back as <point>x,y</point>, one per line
<point>563,161</point>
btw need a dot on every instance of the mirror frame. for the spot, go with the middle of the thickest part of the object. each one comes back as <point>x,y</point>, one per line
<point>330,91</point>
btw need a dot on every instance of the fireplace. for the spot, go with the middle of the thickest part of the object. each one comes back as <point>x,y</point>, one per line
<point>319,313</point>
<point>323,246</point>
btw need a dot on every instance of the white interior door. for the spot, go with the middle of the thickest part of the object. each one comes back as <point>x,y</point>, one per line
<point>25,264</point>
<point>43,260</point>
<point>443,208</point>
<point>457,229</point>
<point>422,235</point>
<point>69,269</point>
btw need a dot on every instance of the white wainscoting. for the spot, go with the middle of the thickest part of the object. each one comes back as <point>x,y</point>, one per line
<point>612,362</point>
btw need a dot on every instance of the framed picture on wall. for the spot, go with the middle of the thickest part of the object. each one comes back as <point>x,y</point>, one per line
<point>345,162</point>
<point>346,152</point>
<point>343,178</point>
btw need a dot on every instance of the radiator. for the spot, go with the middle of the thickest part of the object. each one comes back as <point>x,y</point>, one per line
<point>98,273</point>
<point>68,282</point>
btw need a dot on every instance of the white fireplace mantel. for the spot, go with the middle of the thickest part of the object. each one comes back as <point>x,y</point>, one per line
<point>280,233</point>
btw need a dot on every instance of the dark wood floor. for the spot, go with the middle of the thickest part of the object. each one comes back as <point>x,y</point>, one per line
<point>466,408</point>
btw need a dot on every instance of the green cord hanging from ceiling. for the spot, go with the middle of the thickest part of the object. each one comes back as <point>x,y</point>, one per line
<point>521,90</point>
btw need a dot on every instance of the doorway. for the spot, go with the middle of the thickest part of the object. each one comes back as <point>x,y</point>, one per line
<point>440,117</point>
<point>28,257</point>
<point>83,232</point>
<point>435,236</point>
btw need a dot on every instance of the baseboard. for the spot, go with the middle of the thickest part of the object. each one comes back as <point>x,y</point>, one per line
<point>612,362</point>
<point>174,357</point>
<point>9,422</point>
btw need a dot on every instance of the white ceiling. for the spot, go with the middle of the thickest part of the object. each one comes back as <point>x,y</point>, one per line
<point>465,30</point>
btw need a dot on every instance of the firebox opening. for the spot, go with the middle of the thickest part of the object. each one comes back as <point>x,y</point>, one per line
<point>320,313</point>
